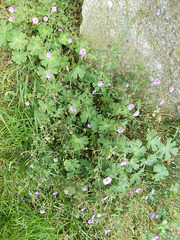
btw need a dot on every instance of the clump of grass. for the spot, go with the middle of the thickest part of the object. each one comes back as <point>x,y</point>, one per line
<point>81,158</point>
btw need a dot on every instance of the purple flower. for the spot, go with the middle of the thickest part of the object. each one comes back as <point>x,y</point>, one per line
<point>89,126</point>
<point>155,238</point>
<point>55,193</point>
<point>90,221</point>
<point>37,193</point>
<point>70,40</point>
<point>67,86</point>
<point>127,85</point>
<point>83,209</point>
<point>59,29</point>
<point>153,191</point>
<point>54,97</point>
<point>94,91</point>
<point>55,159</point>
<point>45,18</point>
<point>159,138</point>
<point>120,130</point>
<point>146,198</point>
<point>152,215</point>
<point>50,152</point>
<point>84,189</point>
<point>83,179</point>
<point>136,113</point>
<point>48,75</point>
<point>107,180</point>
<point>54,9</point>
<point>11,9</point>
<point>131,106</point>
<point>47,138</point>
<point>132,191</point>
<point>72,109</point>
<point>35,20</point>
<point>42,212</point>
<point>33,134</point>
<point>27,103</point>
<point>158,12</point>
<point>157,81</point>
<point>49,54</point>
<point>71,132</point>
<point>93,216</point>
<point>104,199</point>
<point>107,231</point>
<point>99,215</point>
<point>83,52</point>
<point>137,190</point>
<point>157,216</point>
<point>171,89</point>
<point>31,166</point>
<point>124,163</point>
<point>161,102</point>
<point>100,83</point>
<point>11,19</point>
<point>152,83</point>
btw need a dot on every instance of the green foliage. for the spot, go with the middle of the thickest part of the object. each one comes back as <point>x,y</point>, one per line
<point>161,172</point>
<point>88,143</point>
<point>167,150</point>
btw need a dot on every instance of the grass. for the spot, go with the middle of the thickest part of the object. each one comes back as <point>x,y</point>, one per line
<point>127,215</point>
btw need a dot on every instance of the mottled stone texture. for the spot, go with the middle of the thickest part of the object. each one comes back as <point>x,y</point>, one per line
<point>143,38</point>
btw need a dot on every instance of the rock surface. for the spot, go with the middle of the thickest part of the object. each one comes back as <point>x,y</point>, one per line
<point>147,33</point>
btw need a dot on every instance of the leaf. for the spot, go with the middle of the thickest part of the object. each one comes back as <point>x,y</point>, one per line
<point>64,38</point>
<point>42,72</point>
<point>152,139</point>
<point>161,172</point>
<point>167,149</point>
<point>79,142</point>
<point>88,114</point>
<point>5,32</point>
<point>136,176</point>
<point>115,170</point>
<point>35,46</point>
<point>18,41</point>
<point>136,148</point>
<point>19,57</point>
<point>122,187</point>
<point>106,125</point>
<point>71,165</point>
<point>151,159</point>
<point>78,71</point>
<point>44,31</point>
<point>48,106</point>
<point>95,122</point>
<point>51,62</point>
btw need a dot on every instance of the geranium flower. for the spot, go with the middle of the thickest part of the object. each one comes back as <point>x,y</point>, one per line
<point>11,9</point>
<point>42,211</point>
<point>11,19</point>
<point>131,106</point>
<point>35,20</point>
<point>107,180</point>
<point>49,54</point>
<point>45,18</point>
<point>136,113</point>
<point>72,109</point>
<point>120,130</point>
<point>171,89</point>
<point>27,103</point>
<point>100,83</point>
<point>83,52</point>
